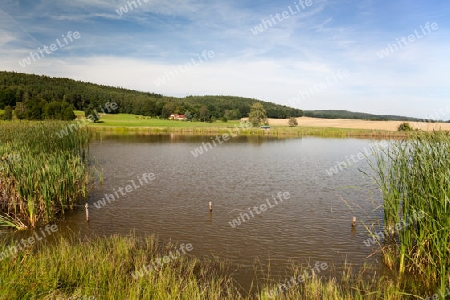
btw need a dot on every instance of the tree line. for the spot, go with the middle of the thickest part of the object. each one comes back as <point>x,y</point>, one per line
<point>38,97</point>
<point>345,114</point>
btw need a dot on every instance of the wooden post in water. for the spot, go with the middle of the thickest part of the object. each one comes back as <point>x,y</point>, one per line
<point>210,206</point>
<point>354,222</point>
<point>87,212</point>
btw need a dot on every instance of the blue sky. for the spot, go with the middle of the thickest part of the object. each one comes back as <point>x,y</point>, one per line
<point>298,60</point>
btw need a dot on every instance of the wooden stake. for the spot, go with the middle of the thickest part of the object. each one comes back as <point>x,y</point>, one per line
<point>354,222</point>
<point>210,206</point>
<point>87,212</point>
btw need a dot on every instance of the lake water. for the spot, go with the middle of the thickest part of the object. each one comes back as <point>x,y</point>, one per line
<point>314,224</point>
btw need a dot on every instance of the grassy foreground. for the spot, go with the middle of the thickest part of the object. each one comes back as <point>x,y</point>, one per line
<point>103,268</point>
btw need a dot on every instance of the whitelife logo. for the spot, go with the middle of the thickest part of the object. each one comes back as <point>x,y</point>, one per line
<point>356,158</point>
<point>381,235</point>
<point>293,282</point>
<point>244,217</point>
<point>181,69</point>
<point>91,118</point>
<point>27,243</point>
<point>391,48</point>
<point>129,7</point>
<point>128,189</point>
<point>221,139</point>
<point>158,263</point>
<point>35,56</point>
<point>266,24</point>
<point>340,75</point>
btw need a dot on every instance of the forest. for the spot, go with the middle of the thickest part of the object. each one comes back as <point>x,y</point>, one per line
<point>38,97</point>
<point>345,114</point>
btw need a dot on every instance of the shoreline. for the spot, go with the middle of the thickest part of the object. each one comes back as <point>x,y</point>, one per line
<point>277,131</point>
<point>132,124</point>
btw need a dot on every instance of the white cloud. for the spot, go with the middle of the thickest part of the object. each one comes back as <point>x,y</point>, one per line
<point>295,54</point>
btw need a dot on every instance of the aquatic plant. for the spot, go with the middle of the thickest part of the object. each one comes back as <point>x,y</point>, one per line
<point>41,175</point>
<point>414,177</point>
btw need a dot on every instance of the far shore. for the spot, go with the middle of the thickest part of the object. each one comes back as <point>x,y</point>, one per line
<point>124,123</point>
<point>360,124</point>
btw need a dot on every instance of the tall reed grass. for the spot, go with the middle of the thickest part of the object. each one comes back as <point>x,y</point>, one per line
<point>48,175</point>
<point>275,131</point>
<point>414,177</point>
<point>102,268</point>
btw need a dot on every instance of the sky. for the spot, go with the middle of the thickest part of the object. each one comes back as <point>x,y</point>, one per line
<point>381,57</point>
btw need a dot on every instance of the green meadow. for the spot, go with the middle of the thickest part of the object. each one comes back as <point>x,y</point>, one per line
<point>128,120</point>
<point>127,123</point>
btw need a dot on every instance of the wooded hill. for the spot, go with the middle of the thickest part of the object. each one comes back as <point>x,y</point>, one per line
<point>345,114</point>
<point>43,97</point>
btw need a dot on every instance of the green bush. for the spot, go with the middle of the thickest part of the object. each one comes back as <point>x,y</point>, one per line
<point>404,127</point>
<point>292,122</point>
<point>8,114</point>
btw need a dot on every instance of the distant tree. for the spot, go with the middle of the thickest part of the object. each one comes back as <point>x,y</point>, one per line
<point>35,108</point>
<point>149,108</point>
<point>52,110</point>
<point>23,88</point>
<point>67,113</point>
<point>234,114</point>
<point>292,122</point>
<point>204,113</point>
<point>188,115</point>
<point>404,127</point>
<point>7,97</point>
<point>167,110</point>
<point>295,112</point>
<point>179,109</point>
<point>257,115</point>
<point>19,95</point>
<point>20,110</point>
<point>91,114</point>
<point>224,119</point>
<point>237,114</point>
<point>8,114</point>
<point>282,115</point>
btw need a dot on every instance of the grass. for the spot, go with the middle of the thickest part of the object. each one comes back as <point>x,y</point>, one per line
<point>70,268</point>
<point>126,123</point>
<point>127,120</point>
<point>414,177</point>
<point>41,175</point>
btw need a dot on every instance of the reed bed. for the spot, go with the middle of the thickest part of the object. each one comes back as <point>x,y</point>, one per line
<point>41,174</point>
<point>275,131</point>
<point>102,268</point>
<point>414,177</point>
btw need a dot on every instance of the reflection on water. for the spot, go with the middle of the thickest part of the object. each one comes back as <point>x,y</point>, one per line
<point>314,224</point>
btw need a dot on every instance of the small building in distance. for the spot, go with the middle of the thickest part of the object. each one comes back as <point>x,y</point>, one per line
<point>177,117</point>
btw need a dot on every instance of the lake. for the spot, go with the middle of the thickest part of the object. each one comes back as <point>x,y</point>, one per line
<point>312,224</point>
